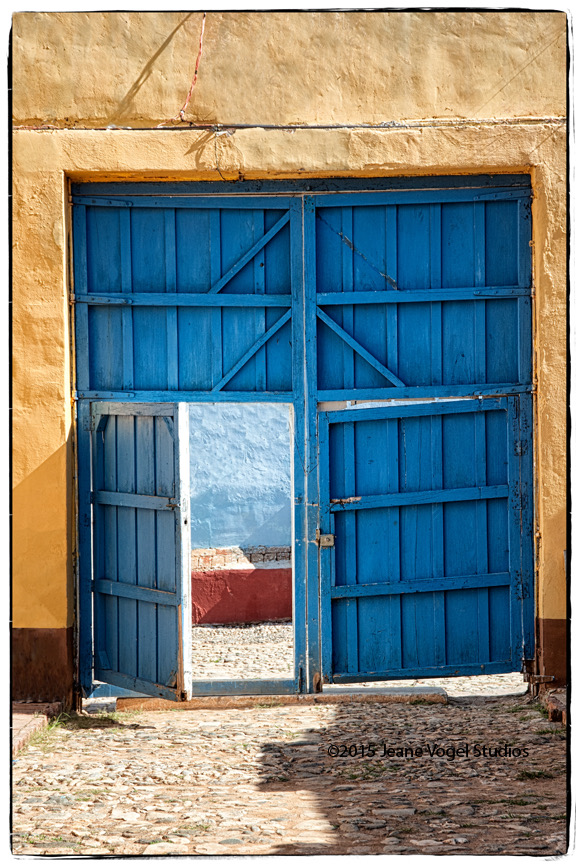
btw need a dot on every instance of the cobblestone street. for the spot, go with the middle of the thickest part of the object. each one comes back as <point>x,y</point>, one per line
<point>262,780</point>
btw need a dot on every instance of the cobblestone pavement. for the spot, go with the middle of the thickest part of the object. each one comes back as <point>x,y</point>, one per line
<point>262,780</point>
<point>255,651</point>
<point>264,650</point>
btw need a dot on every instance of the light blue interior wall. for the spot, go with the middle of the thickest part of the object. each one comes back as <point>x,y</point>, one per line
<point>240,479</point>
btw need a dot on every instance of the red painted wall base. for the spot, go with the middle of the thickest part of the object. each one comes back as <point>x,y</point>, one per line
<point>241,595</point>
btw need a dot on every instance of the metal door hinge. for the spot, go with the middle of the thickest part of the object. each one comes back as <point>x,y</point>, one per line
<point>324,540</point>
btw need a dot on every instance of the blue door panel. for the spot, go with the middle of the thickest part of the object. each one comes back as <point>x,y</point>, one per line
<point>431,290</point>
<point>174,343</point>
<point>426,572</point>
<point>137,574</point>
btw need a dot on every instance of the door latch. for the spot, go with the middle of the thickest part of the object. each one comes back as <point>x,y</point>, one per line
<point>324,540</point>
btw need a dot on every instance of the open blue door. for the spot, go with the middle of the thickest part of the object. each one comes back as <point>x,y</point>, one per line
<point>429,570</point>
<point>141,560</point>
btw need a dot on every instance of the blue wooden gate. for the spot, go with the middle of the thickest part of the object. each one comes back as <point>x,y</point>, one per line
<point>177,299</point>
<point>428,573</point>
<point>141,568</point>
<point>322,294</point>
<point>425,506</point>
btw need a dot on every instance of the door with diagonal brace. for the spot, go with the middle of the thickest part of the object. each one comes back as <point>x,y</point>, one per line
<point>397,324</point>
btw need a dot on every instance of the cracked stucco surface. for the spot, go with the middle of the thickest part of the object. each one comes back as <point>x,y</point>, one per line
<point>135,68</point>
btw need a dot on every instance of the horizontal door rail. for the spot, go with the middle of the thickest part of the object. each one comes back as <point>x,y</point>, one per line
<point>188,396</point>
<point>131,590</point>
<point>421,196</point>
<point>212,202</point>
<point>474,389</point>
<point>201,688</point>
<point>134,500</point>
<point>161,410</point>
<point>502,666</point>
<point>404,410</point>
<point>405,296</point>
<point>433,584</point>
<point>135,684</point>
<point>420,497</point>
<point>474,184</point>
<point>174,299</point>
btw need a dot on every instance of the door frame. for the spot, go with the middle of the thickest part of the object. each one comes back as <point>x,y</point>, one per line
<point>304,397</point>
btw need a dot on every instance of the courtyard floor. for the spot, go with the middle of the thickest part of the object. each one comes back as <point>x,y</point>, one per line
<point>484,773</point>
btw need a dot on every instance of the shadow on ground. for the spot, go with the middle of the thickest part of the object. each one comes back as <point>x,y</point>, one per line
<point>476,776</point>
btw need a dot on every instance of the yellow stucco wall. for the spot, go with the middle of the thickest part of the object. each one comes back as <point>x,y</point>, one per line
<point>94,69</point>
<point>135,68</point>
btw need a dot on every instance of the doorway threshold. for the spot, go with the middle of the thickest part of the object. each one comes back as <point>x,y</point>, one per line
<point>331,695</point>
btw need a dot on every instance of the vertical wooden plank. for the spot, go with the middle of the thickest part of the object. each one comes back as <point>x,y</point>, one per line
<point>171,312</point>
<point>215,274</point>
<point>515,529</point>
<point>348,360</point>
<point>413,233</point>
<point>84,546</point>
<point>435,283</point>
<point>106,525</point>
<point>127,313</point>
<point>238,324</point>
<point>391,268</point>
<point>329,249</point>
<point>482,540</point>
<point>524,280</point>
<point>369,320</point>
<point>146,548</point>
<point>480,280</point>
<point>183,544</point>
<point>298,444</point>
<point>81,288</point>
<point>259,313</point>
<point>105,619</point>
<point>167,546</point>
<point>394,643</point>
<point>327,563</point>
<point>127,563</point>
<point>527,506</point>
<point>195,247</point>
<point>277,277</point>
<point>149,275</point>
<point>311,452</point>
<point>460,521</point>
<point>438,598</point>
<point>350,530</point>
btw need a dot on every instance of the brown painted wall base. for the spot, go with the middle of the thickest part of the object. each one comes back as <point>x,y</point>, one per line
<point>42,665</point>
<point>241,595</point>
<point>551,650</point>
